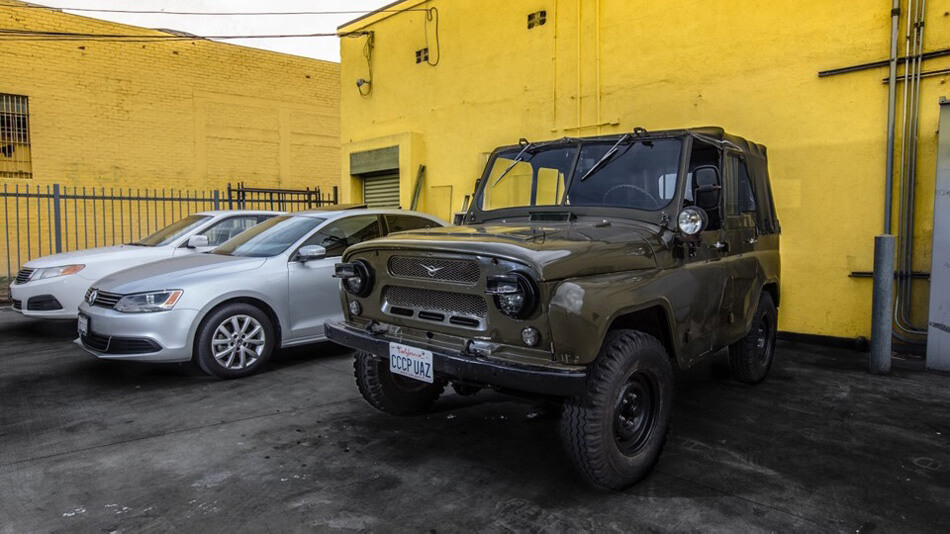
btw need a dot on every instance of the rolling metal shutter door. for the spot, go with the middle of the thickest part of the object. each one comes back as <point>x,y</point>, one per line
<point>381,191</point>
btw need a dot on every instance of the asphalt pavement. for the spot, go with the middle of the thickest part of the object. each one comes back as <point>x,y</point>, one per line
<point>94,446</point>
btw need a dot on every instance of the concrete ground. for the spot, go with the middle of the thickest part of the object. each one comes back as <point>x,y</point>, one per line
<point>90,446</point>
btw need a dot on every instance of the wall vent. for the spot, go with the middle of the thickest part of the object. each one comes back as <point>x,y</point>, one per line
<point>537,19</point>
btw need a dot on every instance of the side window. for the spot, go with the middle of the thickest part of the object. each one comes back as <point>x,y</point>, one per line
<point>401,223</point>
<point>231,227</point>
<point>739,195</point>
<point>339,234</point>
<point>746,194</point>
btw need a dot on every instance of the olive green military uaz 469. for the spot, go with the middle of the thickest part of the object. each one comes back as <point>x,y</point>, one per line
<point>586,269</point>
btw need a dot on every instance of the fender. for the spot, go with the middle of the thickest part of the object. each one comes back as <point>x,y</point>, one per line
<point>582,311</point>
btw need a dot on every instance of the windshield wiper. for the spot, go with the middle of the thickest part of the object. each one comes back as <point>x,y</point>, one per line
<point>603,159</point>
<point>138,244</point>
<point>518,159</point>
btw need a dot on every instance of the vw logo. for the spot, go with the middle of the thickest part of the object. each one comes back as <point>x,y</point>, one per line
<point>91,299</point>
<point>431,270</point>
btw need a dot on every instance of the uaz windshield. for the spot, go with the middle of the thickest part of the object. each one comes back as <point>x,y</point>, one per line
<point>270,237</point>
<point>620,173</point>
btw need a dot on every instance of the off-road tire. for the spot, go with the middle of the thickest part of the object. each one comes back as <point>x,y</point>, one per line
<point>596,428</point>
<point>204,354</point>
<point>391,393</point>
<point>750,358</point>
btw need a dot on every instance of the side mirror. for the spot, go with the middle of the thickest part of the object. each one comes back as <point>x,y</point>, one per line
<point>707,188</point>
<point>311,252</point>
<point>197,241</point>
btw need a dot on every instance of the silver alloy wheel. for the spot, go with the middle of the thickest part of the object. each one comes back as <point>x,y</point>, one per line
<point>238,342</point>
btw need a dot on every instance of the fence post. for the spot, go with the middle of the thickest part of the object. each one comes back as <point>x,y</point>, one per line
<point>216,196</point>
<point>336,197</point>
<point>57,225</point>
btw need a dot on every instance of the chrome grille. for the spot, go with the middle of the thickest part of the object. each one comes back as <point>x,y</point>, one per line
<point>24,275</point>
<point>441,269</point>
<point>103,299</point>
<point>436,301</point>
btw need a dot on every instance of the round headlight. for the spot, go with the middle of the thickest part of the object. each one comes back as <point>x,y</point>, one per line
<point>515,294</point>
<point>361,282</point>
<point>692,221</point>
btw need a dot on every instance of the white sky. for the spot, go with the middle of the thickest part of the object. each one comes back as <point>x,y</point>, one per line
<point>316,47</point>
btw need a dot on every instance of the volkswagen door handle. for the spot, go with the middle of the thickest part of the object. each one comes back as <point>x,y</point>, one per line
<point>721,246</point>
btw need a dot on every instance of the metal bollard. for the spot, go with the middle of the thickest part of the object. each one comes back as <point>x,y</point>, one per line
<point>882,305</point>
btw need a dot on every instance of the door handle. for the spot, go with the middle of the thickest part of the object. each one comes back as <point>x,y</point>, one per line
<point>721,246</point>
<point>753,240</point>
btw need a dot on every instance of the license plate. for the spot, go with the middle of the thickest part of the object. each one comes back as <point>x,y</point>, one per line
<point>83,325</point>
<point>410,361</point>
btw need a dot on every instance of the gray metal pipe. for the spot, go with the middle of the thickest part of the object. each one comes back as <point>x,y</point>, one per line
<point>908,181</point>
<point>882,306</point>
<point>891,106</point>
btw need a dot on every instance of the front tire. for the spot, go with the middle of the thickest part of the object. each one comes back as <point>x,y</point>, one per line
<point>615,432</point>
<point>391,393</point>
<point>750,358</point>
<point>235,341</point>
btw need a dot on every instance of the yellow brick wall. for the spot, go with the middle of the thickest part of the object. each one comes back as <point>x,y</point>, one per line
<point>605,66</point>
<point>183,114</point>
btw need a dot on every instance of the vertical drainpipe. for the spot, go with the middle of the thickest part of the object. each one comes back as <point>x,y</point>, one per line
<point>882,305</point>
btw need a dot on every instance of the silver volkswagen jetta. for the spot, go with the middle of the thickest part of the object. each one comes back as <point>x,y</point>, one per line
<point>228,309</point>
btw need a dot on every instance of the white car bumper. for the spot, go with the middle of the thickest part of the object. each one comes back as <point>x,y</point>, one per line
<point>53,298</point>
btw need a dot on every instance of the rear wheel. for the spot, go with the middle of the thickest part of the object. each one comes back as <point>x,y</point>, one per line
<point>392,393</point>
<point>615,432</point>
<point>235,341</point>
<point>750,358</point>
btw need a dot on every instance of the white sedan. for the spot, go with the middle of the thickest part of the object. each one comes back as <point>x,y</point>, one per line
<point>52,287</point>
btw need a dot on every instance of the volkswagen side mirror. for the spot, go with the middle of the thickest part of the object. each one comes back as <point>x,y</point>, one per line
<point>311,252</point>
<point>197,241</point>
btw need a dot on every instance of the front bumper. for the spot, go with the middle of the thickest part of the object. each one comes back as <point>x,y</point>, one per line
<point>53,298</point>
<point>148,337</point>
<point>470,368</point>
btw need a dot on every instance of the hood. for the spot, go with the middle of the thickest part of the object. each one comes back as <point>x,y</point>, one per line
<point>556,251</point>
<point>94,255</point>
<point>176,273</point>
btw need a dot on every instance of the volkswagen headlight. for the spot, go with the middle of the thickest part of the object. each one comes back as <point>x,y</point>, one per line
<point>53,272</point>
<point>154,301</point>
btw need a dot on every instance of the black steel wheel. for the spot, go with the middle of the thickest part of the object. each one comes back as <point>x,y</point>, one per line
<point>615,432</point>
<point>750,358</point>
<point>394,394</point>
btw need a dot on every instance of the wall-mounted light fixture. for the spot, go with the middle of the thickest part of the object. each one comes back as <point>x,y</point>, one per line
<point>360,83</point>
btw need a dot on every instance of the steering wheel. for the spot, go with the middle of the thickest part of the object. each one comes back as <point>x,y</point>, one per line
<point>656,201</point>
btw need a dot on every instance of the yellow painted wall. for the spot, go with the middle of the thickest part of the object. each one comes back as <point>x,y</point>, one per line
<point>604,66</point>
<point>187,114</point>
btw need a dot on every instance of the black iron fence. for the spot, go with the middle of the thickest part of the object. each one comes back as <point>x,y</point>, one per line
<point>43,220</point>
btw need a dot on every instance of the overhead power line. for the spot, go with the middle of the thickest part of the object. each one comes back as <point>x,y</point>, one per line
<point>212,13</point>
<point>13,34</point>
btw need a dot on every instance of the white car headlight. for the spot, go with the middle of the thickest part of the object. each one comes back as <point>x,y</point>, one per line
<point>53,272</point>
<point>154,301</point>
